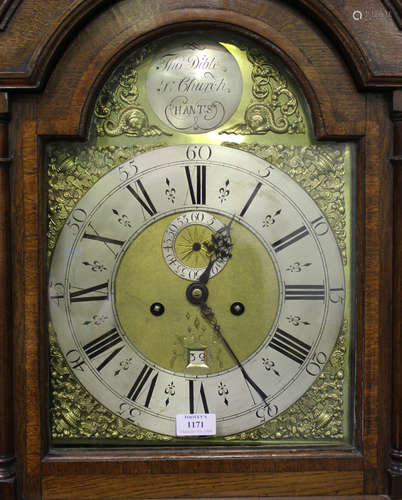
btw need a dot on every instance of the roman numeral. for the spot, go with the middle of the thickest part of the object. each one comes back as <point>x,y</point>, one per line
<point>102,344</point>
<point>199,194</point>
<point>290,239</point>
<point>103,239</point>
<point>304,292</point>
<point>191,397</point>
<point>290,346</point>
<point>139,384</point>
<point>250,200</point>
<point>145,202</point>
<point>85,295</point>
<point>95,236</point>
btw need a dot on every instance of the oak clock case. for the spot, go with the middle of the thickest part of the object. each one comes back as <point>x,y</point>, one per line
<point>201,262</point>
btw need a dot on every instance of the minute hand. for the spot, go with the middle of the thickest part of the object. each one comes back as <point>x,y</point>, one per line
<point>208,314</point>
<point>205,275</point>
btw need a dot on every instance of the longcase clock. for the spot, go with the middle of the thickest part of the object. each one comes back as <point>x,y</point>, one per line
<point>201,250</point>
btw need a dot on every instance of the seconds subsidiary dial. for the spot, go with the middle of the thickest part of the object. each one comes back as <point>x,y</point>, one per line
<point>196,279</point>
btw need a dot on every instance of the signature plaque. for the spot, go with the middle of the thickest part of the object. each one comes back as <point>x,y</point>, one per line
<point>194,87</point>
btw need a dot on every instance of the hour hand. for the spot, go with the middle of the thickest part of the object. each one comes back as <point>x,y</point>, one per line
<point>221,244</point>
<point>205,275</point>
<point>219,248</point>
<point>223,240</point>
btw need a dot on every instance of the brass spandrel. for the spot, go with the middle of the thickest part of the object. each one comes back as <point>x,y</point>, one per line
<point>318,417</point>
<point>324,407</point>
<point>275,107</point>
<point>272,122</point>
<point>118,110</point>
<point>72,170</point>
<point>324,171</point>
<point>270,106</point>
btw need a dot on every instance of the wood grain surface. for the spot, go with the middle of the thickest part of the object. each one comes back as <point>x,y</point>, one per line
<point>200,485</point>
<point>7,475</point>
<point>396,454</point>
<point>61,52</point>
<point>39,31</point>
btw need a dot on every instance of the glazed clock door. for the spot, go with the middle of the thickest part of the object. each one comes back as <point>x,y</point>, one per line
<point>202,246</point>
<point>136,261</point>
<point>206,273</point>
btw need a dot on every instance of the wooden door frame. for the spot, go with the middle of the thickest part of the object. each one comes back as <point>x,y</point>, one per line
<point>33,122</point>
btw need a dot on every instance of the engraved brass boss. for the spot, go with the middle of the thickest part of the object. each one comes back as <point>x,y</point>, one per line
<point>194,87</point>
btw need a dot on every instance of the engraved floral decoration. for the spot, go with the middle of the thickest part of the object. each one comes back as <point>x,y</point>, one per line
<point>270,219</point>
<point>320,170</point>
<point>117,111</point>
<point>72,171</point>
<point>276,108</point>
<point>318,415</point>
<point>170,390</point>
<point>170,191</point>
<point>223,391</point>
<point>75,414</point>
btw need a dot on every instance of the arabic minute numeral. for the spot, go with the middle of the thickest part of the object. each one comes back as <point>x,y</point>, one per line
<point>337,295</point>
<point>129,412</point>
<point>58,290</point>
<point>267,411</point>
<point>316,364</point>
<point>75,359</point>
<point>127,170</point>
<point>76,219</point>
<point>320,226</point>
<point>198,152</point>
<point>266,172</point>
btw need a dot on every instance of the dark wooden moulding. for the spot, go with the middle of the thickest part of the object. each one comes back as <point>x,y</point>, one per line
<point>56,57</point>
